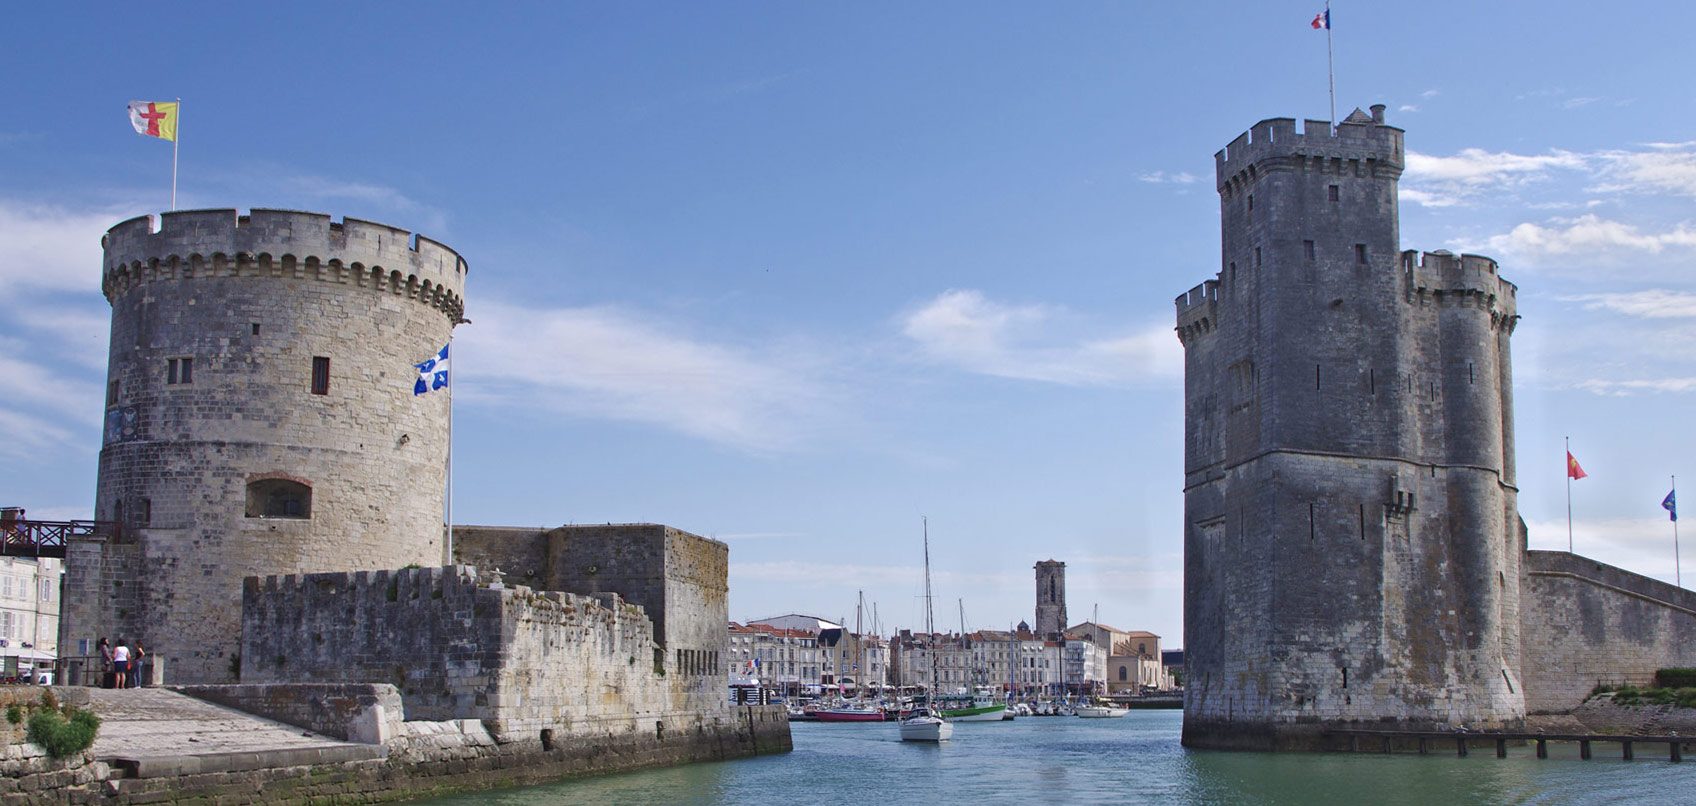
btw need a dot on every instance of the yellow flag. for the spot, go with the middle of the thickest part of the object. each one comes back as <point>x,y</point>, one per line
<point>155,118</point>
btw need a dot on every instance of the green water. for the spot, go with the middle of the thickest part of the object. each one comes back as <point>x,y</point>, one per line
<point>1132,760</point>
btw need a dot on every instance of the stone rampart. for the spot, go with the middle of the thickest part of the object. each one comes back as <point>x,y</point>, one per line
<point>528,663</point>
<point>1585,623</point>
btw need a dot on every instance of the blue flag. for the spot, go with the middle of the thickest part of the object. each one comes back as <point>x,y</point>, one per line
<point>1670,504</point>
<point>432,373</point>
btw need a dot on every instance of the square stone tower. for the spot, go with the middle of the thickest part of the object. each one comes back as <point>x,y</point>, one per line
<point>1351,539</point>
<point>1050,598</point>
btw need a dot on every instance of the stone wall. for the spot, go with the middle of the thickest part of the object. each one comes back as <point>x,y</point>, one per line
<point>1585,623</point>
<point>518,553</point>
<point>678,578</point>
<point>251,303</point>
<point>521,660</point>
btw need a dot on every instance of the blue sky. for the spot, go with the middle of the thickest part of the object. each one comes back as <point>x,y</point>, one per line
<point>793,275</point>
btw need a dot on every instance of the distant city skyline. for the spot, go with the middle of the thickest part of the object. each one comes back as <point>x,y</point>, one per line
<point>794,277</point>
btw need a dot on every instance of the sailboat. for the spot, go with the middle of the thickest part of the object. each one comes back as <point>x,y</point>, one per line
<point>927,725</point>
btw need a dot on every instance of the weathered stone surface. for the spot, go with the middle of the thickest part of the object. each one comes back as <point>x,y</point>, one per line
<point>1352,541</point>
<point>1587,624</point>
<point>252,300</point>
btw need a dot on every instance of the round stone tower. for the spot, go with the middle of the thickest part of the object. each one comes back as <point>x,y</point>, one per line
<point>260,419</point>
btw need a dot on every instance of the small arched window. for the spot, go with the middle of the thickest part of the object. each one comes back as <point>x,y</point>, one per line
<point>1122,677</point>
<point>278,498</point>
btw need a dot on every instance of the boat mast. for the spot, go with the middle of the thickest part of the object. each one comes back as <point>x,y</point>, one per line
<point>930,621</point>
<point>859,650</point>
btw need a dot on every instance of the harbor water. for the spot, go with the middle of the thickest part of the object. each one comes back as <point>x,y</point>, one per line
<point>1136,759</point>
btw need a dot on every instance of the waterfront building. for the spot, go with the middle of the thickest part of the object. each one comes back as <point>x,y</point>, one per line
<point>797,621</point>
<point>852,661</point>
<point>29,613</point>
<point>786,660</point>
<point>1084,667</point>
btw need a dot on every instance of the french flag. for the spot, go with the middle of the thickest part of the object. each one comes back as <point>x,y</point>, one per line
<point>1322,20</point>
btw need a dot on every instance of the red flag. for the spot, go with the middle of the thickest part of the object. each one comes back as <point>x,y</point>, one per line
<point>1572,468</point>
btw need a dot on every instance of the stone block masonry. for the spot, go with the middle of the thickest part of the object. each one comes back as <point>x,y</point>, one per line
<point>260,419</point>
<point>1352,541</point>
<point>1586,623</point>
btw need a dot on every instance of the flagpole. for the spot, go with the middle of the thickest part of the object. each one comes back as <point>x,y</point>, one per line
<point>450,456</point>
<point>1678,572</point>
<point>176,142</point>
<point>1569,495</point>
<point>1330,66</point>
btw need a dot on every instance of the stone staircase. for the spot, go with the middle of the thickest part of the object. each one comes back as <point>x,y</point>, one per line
<point>151,732</point>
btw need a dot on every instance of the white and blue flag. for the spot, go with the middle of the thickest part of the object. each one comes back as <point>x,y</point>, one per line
<point>1670,504</point>
<point>432,373</point>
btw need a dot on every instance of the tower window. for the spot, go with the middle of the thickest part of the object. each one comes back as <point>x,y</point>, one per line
<point>278,498</point>
<point>1251,202</point>
<point>255,328</point>
<point>1257,257</point>
<point>1360,253</point>
<point>112,393</point>
<point>1307,249</point>
<point>179,370</point>
<point>1331,193</point>
<point>320,375</point>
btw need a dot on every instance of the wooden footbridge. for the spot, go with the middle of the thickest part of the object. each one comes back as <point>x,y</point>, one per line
<point>20,537</point>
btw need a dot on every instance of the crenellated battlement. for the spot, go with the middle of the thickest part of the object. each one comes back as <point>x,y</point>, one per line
<point>1361,145</point>
<point>1198,311</point>
<point>1445,279</point>
<point>283,244</point>
<point>431,585</point>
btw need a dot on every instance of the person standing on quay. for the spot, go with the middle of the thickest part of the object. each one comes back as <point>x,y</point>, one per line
<point>138,658</point>
<point>120,663</point>
<point>105,648</point>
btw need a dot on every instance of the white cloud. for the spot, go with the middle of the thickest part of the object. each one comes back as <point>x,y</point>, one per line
<point>31,383</point>
<point>1651,304</point>
<point>1574,103</point>
<point>1667,167</point>
<point>1027,342</point>
<point>1588,233</point>
<point>1434,181</point>
<point>605,362</point>
<point>1477,168</point>
<point>24,436</point>
<point>1610,388</point>
<point>1429,94</point>
<point>1164,178</point>
<point>1407,108</point>
<point>1426,198</point>
<point>50,248</point>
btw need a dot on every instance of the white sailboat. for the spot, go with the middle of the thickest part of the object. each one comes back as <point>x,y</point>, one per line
<point>927,725</point>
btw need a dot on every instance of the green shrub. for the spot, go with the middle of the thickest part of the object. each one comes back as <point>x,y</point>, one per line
<point>14,713</point>
<point>1676,678</point>
<point>61,737</point>
<point>1687,698</point>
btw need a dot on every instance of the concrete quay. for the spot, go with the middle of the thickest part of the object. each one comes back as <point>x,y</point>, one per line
<point>154,733</point>
<point>163,746</point>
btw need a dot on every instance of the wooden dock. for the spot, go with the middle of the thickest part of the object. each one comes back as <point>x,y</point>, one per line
<point>1386,741</point>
